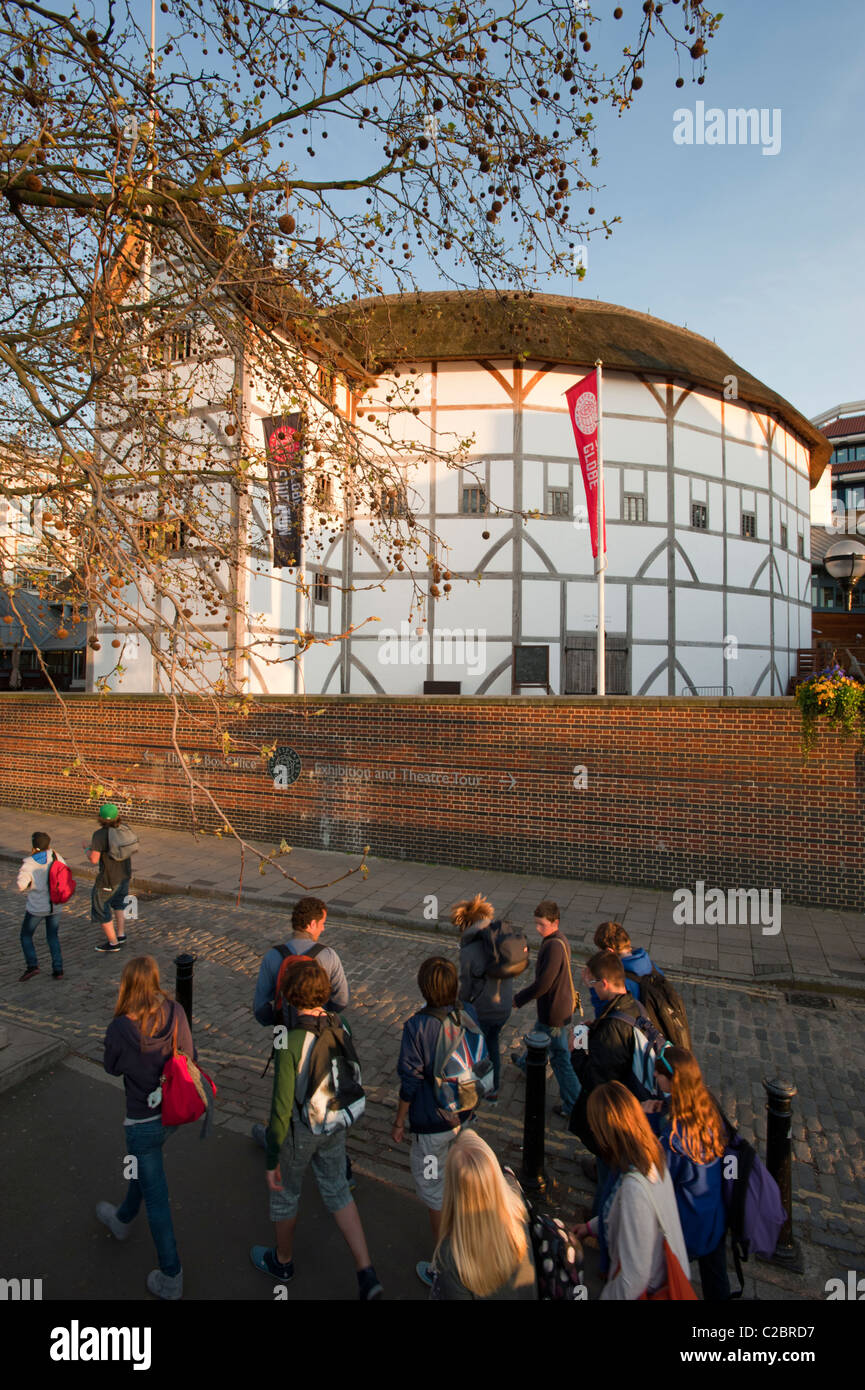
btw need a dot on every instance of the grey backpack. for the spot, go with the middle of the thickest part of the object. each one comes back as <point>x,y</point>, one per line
<point>122,841</point>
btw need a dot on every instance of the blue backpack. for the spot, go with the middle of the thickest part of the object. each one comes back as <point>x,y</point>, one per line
<point>649,1043</point>
<point>462,1070</point>
<point>752,1200</point>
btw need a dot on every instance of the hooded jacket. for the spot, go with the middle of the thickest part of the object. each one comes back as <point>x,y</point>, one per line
<point>140,1061</point>
<point>33,874</point>
<point>638,963</point>
<point>492,1000</point>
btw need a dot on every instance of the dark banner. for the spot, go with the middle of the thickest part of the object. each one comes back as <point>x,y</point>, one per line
<point>283,444</point>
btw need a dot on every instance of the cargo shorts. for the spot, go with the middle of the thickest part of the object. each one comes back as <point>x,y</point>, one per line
<point>429,1154</point>
<point>326,1153</point>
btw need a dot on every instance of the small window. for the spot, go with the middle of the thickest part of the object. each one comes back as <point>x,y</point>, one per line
<point>392,503</point>
<point>801,547</point>
<point>860,451</point>
<point>474,501</point>
<point>321,588</point>
<point>783,536</point>
<point>323,495</point>
<point>174,345</point>
<point>699,516</point>
<point>162,537</point>
<point>559,501</point>
<point>749,526</point>
<point>634,507</point>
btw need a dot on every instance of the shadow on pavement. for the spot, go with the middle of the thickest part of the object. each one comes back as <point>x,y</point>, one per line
<point>63,1141</point>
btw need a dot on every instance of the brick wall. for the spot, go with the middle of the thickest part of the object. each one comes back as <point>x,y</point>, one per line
<point>678,789</point>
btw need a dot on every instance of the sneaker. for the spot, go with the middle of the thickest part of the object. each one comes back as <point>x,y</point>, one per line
<point>107,1214</point>
<point>168,1286</point>
<point>258,1134</point>
<point>519,1060</point>
<point>103,950</point>
<point>28,974</point>
<point>264,1258</point>
<point>423,1270</point>
<point>57,974</point>
<point>121,941</point>
<point>493,1098</point>
<point>368,1286</point>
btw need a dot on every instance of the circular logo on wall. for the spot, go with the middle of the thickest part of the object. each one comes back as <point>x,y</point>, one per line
<point>285,765</point>
<point>586,412</point>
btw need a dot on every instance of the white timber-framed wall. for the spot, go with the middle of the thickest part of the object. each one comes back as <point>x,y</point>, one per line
<point>689,607</point>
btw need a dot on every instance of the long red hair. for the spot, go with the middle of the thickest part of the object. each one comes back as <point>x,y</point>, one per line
<point>697,1122</point>
<point>141,997</point>
<point>622,1131</point>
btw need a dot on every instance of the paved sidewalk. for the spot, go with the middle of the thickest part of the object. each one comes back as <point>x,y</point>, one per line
<point>742,1034</point>
<point>813,945</point>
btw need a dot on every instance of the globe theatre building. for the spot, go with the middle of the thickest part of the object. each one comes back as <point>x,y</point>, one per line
<point>708,476</point>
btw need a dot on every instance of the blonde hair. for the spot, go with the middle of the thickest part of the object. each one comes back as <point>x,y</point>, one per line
<point>470,910</point>
<point>482,1216</point>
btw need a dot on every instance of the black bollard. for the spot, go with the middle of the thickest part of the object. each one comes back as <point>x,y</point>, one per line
<point>532,1176</point>
<point>184,966</point>
<point>779,1161</point>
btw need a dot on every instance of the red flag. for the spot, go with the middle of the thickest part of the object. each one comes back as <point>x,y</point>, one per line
<point>582,400</point>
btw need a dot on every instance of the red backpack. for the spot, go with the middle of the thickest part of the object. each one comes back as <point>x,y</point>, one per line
<point>289,961</point>
<point>187,1091</point>
<point>61,884</point>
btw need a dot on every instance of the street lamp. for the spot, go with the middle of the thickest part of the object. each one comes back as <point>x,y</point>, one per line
<point>845,561</point>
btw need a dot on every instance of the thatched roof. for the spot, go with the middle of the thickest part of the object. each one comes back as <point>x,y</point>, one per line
<point>454,326</point>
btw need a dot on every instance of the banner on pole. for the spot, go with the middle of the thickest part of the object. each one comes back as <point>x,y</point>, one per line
<point>582,400</point>
<point>283,443</point>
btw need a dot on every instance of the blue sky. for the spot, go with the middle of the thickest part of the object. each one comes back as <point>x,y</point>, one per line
<point>764,253</point>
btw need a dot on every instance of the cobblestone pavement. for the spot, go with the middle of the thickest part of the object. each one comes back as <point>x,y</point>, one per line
<point>806,943</point>
<point>742,1033</point>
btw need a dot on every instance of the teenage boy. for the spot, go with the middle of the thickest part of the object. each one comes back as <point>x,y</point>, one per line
<point>608,1055</point>
<point>292,1147</point>
<point>33,880</point>
<point>111,889</point>
<point>431,1134</point>
<point>553,993</point>
<point>308,917</point>
<point>611,936</point>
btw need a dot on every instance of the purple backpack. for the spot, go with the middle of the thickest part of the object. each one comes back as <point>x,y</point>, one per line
<point>752,1199</point>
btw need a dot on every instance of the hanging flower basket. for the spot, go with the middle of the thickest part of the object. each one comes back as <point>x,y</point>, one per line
<point>834,697</point>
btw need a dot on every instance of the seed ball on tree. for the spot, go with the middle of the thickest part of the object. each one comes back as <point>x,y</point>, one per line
<point>286,223</point>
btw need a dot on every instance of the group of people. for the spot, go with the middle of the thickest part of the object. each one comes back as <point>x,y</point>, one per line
<point>111,848</point>
<point>658,1158</point>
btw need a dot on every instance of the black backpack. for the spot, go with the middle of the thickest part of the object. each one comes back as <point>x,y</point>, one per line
<point>664,1007</point>
<point>507,951</point>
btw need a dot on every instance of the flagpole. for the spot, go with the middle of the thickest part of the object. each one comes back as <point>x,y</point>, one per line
<point>602,556</point>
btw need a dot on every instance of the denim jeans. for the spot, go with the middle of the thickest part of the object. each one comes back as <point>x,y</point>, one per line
<point>144,1143</point>
<point>491,1033</point>
<point>52,931</point>
<point>560,1061</point>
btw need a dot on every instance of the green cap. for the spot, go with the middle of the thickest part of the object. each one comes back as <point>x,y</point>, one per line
<point>108,811</point>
